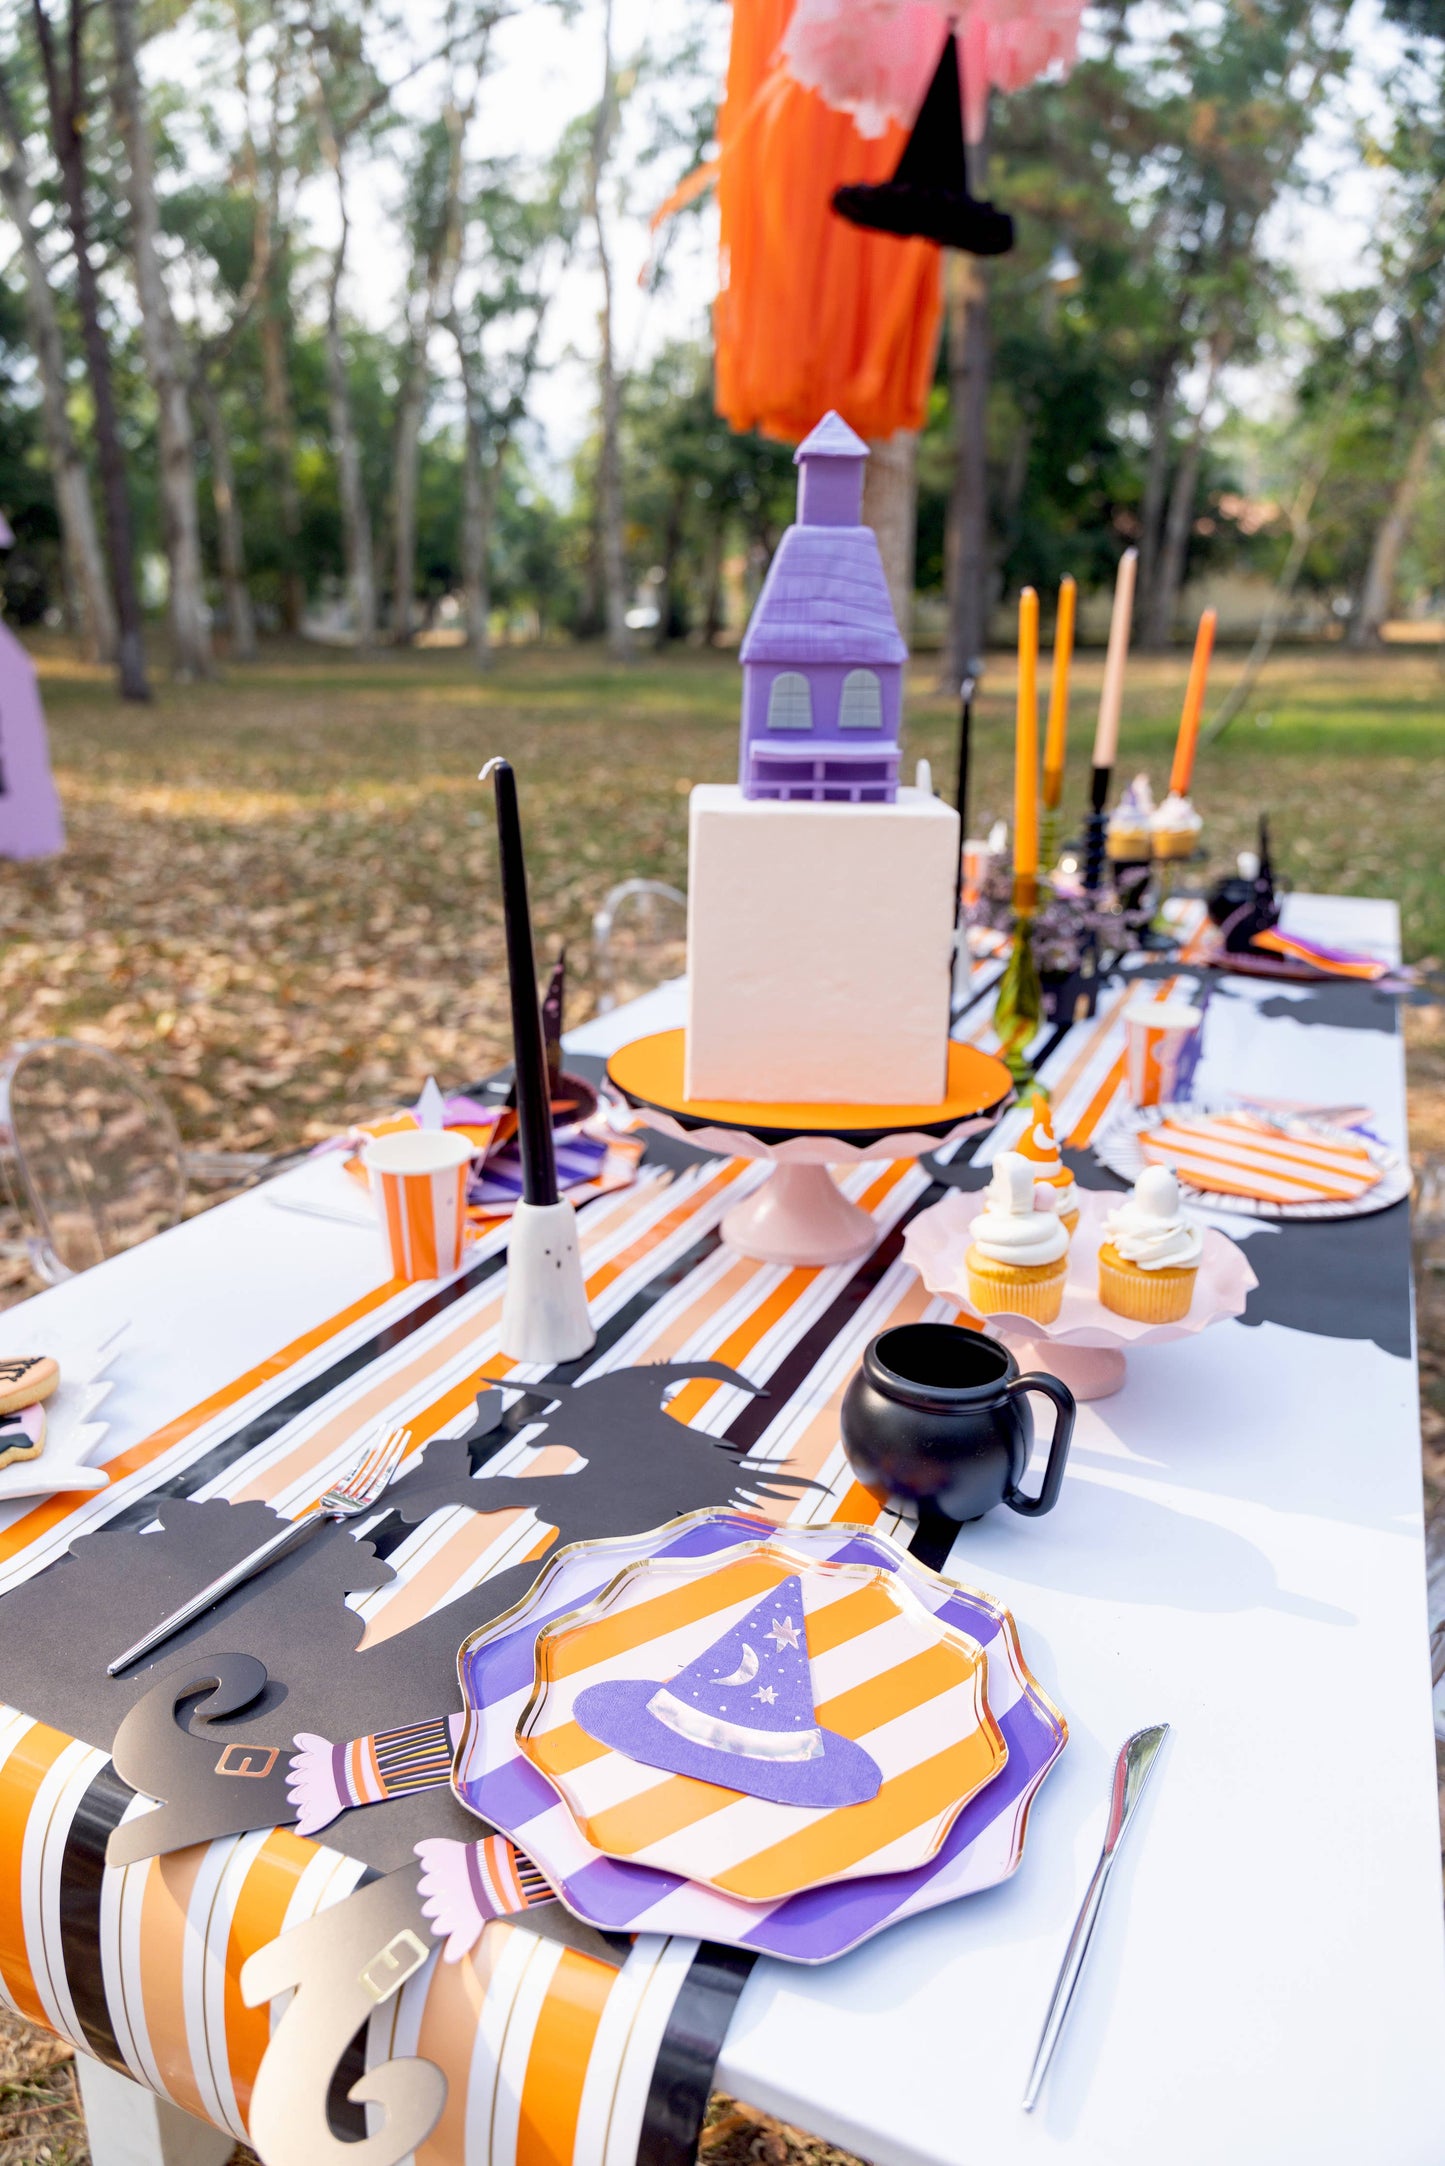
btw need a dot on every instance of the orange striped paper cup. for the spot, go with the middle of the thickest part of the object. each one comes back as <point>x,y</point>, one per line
<point>419,1179</point>
<point>1160,1042</point>
<point>976,857</point>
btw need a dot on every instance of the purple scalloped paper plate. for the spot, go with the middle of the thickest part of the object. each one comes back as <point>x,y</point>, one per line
<point>497,1664</point>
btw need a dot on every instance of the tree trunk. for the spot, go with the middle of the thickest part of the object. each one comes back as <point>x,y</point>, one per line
<point>609,465</point>
<point>712,618</point>
<point>85,565</point>
<point>66,98</point>
<point>1156,484</point>
<point>229,532</point>
<point>590,618</point>
<point>190,631</point>
<point>439,272</point>
<point>966,531</point>
<point>1012,484</point>
<point>1158,626</point>
<point>355,518</point>
<point>405,453</point>
<point>890,507</point>
<point>478,490</point>
<point>1377,593</point>
<point>609,478</point>
<point>279,428</point>
<point>671,619</point>
<point>346,449</point>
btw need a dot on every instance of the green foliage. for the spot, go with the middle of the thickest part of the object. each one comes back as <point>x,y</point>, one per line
<point>30,572</point>
<point>696,488</point>
<point>1156,166</point>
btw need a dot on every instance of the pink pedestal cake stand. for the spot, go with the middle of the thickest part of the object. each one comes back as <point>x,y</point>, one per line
<point>800,1215</point>
<point>1086,1345</point>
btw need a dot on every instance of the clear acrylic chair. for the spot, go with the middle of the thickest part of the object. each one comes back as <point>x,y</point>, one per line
<point>93,1155</point>
<point>639,939</point>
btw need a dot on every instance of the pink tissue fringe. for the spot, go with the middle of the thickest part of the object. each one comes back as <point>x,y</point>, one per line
<point>875,58</point>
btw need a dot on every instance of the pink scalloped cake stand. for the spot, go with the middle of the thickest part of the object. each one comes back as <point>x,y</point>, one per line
<point>1085,1347</point>
<point>800,1215</point>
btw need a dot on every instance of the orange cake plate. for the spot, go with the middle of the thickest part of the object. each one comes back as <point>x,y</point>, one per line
<point>799,1215</point>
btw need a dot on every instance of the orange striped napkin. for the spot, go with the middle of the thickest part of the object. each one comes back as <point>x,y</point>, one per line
<point>1233,1154</point>
<point>1331,962</point>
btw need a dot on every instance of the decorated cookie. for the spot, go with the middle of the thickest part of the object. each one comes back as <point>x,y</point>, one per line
<point>26,1379</point>
<point>22,1434</point>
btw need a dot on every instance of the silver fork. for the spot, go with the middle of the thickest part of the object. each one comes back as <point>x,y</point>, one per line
<point>355,1492</point>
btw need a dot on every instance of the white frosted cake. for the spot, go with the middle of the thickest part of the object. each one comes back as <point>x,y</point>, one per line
<point>820,948</point>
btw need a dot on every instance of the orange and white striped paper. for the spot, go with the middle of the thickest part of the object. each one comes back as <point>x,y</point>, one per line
<point>1233,1154</point>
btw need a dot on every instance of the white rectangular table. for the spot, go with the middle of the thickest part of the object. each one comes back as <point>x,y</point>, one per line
<point>1239,1551</point>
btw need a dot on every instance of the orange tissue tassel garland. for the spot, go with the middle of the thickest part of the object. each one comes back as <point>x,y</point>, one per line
<point>813,313</point>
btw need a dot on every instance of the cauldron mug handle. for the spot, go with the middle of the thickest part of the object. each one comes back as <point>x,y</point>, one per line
<point>1063,1404</point>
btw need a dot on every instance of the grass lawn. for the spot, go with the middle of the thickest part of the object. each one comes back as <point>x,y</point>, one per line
<point>280,893</point>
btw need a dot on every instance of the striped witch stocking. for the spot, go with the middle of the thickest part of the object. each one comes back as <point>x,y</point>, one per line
<point>326,1780</point>
<point>465,1884</point>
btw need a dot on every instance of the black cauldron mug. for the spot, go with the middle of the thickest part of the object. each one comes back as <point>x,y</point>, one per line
<point>940,1415</point>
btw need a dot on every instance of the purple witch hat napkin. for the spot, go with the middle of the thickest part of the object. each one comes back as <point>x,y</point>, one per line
<point>741,1715</point>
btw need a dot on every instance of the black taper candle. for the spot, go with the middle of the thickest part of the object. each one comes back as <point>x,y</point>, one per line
<point>965,754</point>
<point>534,1110</point>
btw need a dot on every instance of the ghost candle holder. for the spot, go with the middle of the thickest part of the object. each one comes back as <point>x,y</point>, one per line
<point>544,1309</point>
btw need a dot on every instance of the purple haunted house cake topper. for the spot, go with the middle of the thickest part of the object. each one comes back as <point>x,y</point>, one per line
<point>822,655</point>
<point>741,1716</point>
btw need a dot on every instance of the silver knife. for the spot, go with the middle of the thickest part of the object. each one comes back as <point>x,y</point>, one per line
<point>1137,1755</point>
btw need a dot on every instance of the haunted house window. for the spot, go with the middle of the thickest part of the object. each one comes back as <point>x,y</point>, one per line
<point>861,707</point>
<point>790,703</point>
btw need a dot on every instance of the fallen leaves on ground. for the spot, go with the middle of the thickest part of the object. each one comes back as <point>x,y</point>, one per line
<point>40,2119</point>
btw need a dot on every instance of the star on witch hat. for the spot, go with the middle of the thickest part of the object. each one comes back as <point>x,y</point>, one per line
<point>928,194</point>
<point>741,1716</point>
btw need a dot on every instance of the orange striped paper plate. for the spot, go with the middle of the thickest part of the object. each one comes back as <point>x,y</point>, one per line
<point>885,1672</point>
<point>1240,1154</point>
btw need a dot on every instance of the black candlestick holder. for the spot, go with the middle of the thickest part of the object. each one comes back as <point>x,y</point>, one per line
<point>1095,837</point>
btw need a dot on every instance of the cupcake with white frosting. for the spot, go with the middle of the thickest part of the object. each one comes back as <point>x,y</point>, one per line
<point>1149,1257</point>
<point>1128,838</point>
<point>1175,828</point>
<point>1019,1256</point>
<point>1054,1188</point>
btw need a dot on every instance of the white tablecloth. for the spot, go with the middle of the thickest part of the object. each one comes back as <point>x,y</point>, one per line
<point>1238,1550</point>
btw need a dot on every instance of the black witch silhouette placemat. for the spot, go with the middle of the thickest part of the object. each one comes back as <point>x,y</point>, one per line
<point>284,1653</point>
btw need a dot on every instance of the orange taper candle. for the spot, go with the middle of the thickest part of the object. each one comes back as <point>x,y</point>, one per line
<point>1026,755</point>
<point>1058,728</point>
<point>1188,738</point>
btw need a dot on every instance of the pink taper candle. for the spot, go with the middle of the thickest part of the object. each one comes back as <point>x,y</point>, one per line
<point>1106,737</point>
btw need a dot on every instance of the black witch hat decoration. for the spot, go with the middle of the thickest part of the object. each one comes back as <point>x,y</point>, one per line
<point>928,194</point>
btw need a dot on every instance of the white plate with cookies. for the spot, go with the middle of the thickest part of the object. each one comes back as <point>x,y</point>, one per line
<point>48,1430</point>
